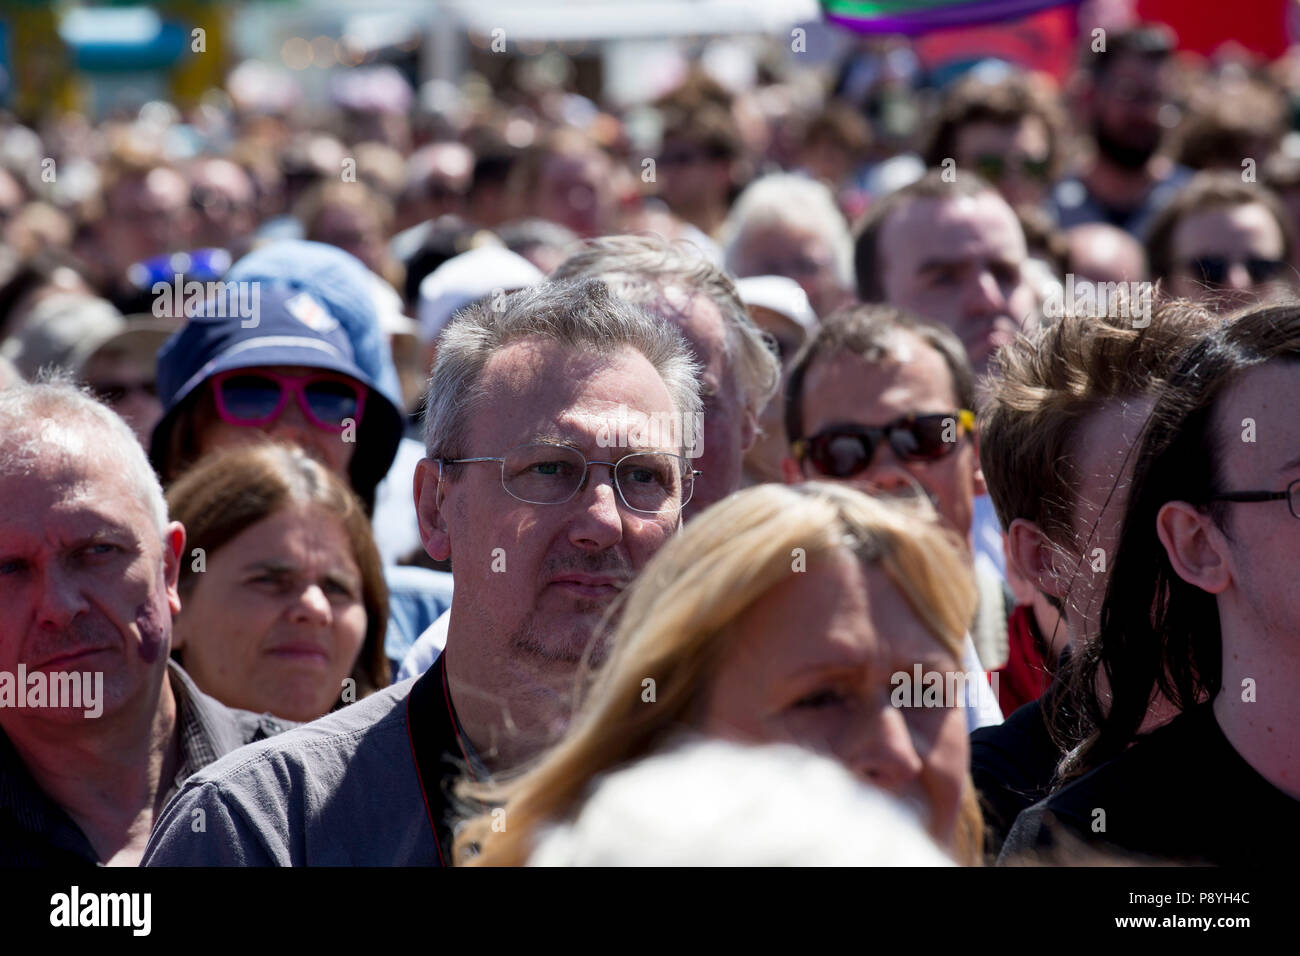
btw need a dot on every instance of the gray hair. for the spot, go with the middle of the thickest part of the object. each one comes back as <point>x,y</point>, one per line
<point>786,199</point>
<point>581,315</point>
<point>639,268</point>
<point>32,414</point>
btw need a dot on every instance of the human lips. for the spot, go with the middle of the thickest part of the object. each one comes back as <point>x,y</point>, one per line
<point>589,585</point>
<point>71,657</point>
<point>304,651</point>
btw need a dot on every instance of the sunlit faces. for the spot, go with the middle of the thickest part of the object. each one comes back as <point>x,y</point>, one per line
<point>574,189</point>
<point>690,177</point>
<point>354,229</point>
<point>811,663</point>
<point>147,216</point>
<point>1126,106</point>
<point>330,448</point>
<point>780,249</point>
<point>729,429</point>
<point>957,261</point>
<point>1103,451</point>
<point>276,620</point>
<point>763,460</point>
<point>1261,602</point>
<point>532,580</point>
<point>1227,254</point>
<point>847,390</point>
<point>87,583</point>
<point>1012,156</point>
<point>125,382</point>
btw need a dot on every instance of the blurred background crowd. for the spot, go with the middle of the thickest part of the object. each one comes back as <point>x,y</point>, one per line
<point>155,156</point>
<point>407,135</point>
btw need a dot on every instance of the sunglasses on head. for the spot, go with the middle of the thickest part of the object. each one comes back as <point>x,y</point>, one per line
<point>252,398</point>
<point>1214,269</point>
<point>843,451</point>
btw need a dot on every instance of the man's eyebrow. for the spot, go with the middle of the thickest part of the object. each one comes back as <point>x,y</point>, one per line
<point>931,264</point>
<point>1292,464</point>
<point>553,438</point>
<point>105,530</point>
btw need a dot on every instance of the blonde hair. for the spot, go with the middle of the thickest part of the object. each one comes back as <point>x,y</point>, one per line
<point>677,624</point>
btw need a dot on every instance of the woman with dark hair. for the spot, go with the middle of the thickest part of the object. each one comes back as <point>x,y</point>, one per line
<point>284,605</point>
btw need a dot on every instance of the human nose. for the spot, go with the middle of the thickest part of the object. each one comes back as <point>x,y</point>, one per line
<point>1238,277</point>
<point>60,599</point>
<point>887,472</point>
<point>311,606</point>
<point>599,524</point>
<point>293,423</point>
<point>984,296</point>
<point>882,752</point>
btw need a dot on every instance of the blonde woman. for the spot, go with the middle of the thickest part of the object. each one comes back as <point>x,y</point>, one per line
<point>783,614</point>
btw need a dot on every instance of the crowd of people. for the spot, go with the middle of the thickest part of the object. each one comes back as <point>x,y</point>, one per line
<point>481,480</point>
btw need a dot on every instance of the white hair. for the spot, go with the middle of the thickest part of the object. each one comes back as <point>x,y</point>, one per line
<point>713,803</point>
<point>787,199</point>
<point>53,414</point>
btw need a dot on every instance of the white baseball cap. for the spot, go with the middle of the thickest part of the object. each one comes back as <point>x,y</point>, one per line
<point>781,295</point>
<point>468,277</point>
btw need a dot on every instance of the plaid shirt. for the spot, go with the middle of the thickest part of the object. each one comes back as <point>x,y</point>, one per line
<point>37,832</point>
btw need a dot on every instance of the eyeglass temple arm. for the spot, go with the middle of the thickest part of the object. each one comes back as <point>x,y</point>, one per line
<point>1249,496</point>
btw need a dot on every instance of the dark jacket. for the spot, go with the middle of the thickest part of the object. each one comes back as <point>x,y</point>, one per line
<point>35,831</point>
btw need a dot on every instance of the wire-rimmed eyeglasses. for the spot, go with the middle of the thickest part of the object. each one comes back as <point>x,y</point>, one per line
<point>548,474</point>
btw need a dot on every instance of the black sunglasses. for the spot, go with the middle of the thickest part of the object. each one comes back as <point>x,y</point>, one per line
<point>843,451</point>
<point>993,166</point>
<point>1214,269</point>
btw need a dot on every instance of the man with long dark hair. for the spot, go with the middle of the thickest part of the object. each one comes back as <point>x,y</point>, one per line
<point>1202,605</point>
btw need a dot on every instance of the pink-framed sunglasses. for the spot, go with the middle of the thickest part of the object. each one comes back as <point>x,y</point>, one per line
<point>252,398</point>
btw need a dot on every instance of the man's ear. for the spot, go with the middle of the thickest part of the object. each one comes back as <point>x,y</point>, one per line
<point>1037,559</point>
<point>981,488</point>
<point>1196,548</point>
<point>791,473</point>
<point>748,430</point>
<point>428,510</point>
<point>173,550</point>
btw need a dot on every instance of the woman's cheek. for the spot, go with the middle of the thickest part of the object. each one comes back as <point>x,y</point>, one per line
<point>354,634</point>
<point>947,765</point>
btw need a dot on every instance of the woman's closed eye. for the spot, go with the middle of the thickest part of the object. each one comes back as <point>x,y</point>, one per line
<point>341,588</point>
<point>820,699</point>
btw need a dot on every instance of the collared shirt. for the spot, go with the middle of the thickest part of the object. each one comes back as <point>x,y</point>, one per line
<point>368,785</point>
<point>36,831</point>
<point>426,648</point>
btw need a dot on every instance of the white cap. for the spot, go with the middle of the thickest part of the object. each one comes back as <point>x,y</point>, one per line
<point>782,295</point>
<point>388,308</point>
<point>465,279</point>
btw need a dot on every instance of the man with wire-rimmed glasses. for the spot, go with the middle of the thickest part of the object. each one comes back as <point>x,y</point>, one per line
<point>558,422</point>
